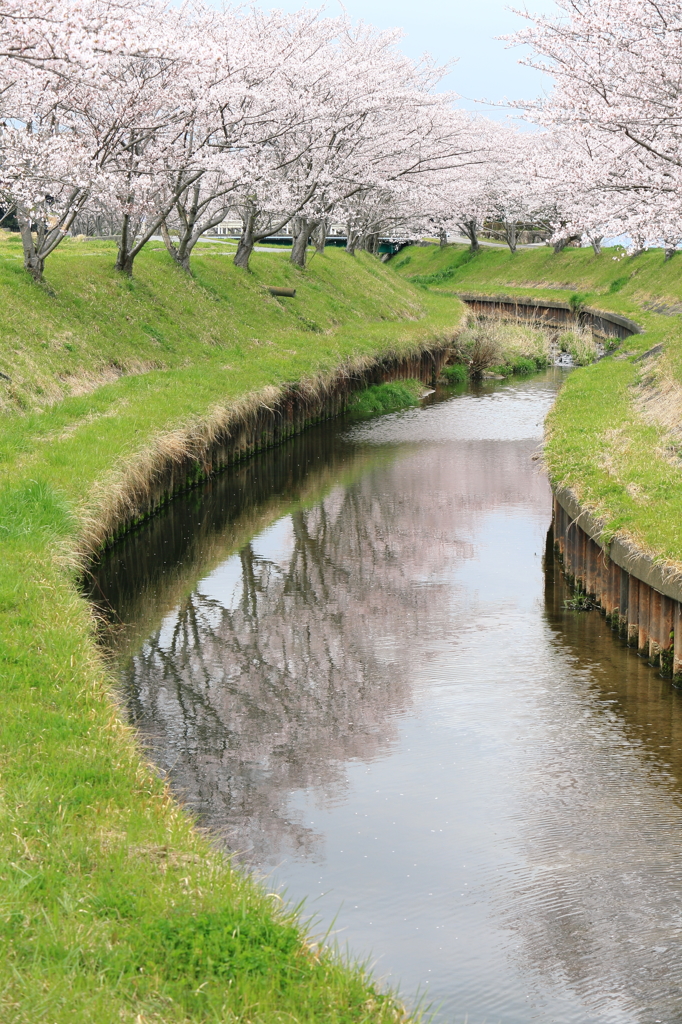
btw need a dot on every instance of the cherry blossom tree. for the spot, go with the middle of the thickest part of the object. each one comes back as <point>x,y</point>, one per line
<point>492,183</point>
<point>244,107</point>
<point>616,69</point>
<point>91,111</point>
<point>46,170</point>
<point>617,95</point>
<point>374,121</point>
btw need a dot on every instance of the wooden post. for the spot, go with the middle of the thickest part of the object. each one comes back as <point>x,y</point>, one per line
<point>588,568</point>
<point>563,520</point>
<point>603,580</point>
<point>677,648</point>
<point>605,584</point>
<point>580,556</point>
<point>654,626</point>
<point>666,628</point>
<point>595,564</point>
<point>615,574</point>
<point>643,631</point>
<point>558,527</point>
<point>667,621</point>
<point>569,557</point>
<point>633,611</point>
<point>623,603</point>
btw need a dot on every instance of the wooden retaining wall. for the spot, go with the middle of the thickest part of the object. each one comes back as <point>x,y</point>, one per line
<point>548,313</point>
<point>641,599</point>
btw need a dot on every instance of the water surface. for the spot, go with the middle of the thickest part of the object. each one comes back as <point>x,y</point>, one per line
<point>352,658</point>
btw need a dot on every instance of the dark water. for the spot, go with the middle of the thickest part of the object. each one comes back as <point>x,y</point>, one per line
<point>349,659</point>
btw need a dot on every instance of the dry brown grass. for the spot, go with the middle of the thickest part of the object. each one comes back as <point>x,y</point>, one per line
<point>87,381</point>
<point>499,339</point>
<point>658,400</point>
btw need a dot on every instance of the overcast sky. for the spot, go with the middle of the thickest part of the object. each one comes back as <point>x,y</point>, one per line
<point>465,29</point>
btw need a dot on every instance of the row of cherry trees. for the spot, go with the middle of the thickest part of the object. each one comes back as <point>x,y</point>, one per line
<point>608,158</point>
<point>165,120</point>
<point>160,120</point>
<point>611,150</point>
<point>507,188</point>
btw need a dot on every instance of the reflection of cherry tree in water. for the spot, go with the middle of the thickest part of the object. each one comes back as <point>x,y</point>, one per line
<point>305,668</point>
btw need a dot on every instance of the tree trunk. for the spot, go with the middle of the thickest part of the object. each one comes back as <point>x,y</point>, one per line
<point>372,243</point>
<point>124,260</point>
<point>443,238</point>
<point>246,241</point>
<point>300,245</point>
<point>351,240</point>
<point>36,250</point>
<point>320,237</point>
<point>596,245</point>
<point>188,214</point>
<point>244,250</point>
<point>670,251</point>
<point>176,253</point>
<point>563,242</point>
<point>468,228</point>
<point>511,234</point>
<point>35,266</point>
<point>34,263</point>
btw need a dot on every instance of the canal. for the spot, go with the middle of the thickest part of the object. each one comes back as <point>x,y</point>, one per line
<point>352,657</point>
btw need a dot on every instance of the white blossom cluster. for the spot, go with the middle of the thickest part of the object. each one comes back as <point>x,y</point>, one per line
<point>611,152</point>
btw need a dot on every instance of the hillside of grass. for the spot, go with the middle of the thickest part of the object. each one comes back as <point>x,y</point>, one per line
<point>615,433</point>
<point>89,326</point>
<point>621,283</point>
<point>113,907</point>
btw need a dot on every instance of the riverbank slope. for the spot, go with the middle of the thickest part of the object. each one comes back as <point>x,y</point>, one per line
<point>114,907</point>
<point>614,436</point>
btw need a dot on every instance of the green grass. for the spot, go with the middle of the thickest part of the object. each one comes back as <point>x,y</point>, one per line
<point>542,273</point>
<point>89,325</point>
<point>457,373</point>
<point>113,907</point>
<point>389,397</point>
<point>521,366</point>
<point>622,464</point>
<point>449,269</point>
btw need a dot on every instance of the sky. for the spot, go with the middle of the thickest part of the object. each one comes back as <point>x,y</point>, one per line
<point>465,29</point>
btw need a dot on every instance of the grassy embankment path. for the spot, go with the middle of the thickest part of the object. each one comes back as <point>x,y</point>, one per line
<point>615,433</point>
<point>113,907</point>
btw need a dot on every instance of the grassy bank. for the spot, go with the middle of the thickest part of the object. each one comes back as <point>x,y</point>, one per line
<point>389,397</point>
<point>113,907</point>
<point>614,435</point>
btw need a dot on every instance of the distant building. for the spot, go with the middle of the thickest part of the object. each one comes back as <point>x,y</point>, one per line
<point>233,228</point>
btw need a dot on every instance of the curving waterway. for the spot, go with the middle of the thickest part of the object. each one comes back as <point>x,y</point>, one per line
<point>351,655</point>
